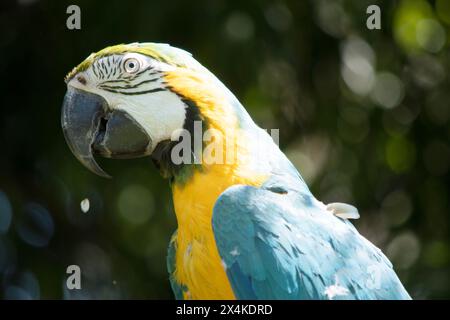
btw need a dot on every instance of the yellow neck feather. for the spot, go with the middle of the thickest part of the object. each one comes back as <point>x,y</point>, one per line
<point>198,264</point>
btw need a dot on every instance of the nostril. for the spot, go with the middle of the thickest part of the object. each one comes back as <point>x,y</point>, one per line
<point>81,79</point>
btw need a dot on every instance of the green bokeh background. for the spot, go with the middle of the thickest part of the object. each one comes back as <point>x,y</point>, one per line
<point>363,114</point>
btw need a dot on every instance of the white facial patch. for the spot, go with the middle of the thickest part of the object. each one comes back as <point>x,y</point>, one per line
<point>159,113</point>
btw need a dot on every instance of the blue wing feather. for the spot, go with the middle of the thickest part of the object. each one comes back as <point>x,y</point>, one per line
<point>278,245</point>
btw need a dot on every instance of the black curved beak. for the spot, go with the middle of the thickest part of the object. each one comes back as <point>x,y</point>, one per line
<point>91,128</point>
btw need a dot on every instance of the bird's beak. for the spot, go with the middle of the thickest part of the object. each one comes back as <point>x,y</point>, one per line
<point>90,127</point>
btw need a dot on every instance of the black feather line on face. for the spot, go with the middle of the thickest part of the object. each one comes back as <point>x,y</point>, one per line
<point>94,69</point>
<point>129,85</point>
<point>161,156</point>
<point>133,93</point>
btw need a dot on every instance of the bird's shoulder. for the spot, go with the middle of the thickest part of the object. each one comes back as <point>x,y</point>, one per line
<point>278,242</point>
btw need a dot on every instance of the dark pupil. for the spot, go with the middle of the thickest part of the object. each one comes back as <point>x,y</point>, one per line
<point>131,65</point>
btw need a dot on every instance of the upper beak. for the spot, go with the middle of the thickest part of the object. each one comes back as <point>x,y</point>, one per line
<point>80,121</point>
<point>90,127</point>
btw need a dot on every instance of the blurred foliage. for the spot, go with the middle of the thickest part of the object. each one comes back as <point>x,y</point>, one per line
<point>363,114</point>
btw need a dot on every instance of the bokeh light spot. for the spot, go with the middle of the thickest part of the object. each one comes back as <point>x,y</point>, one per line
<point>388,91</point>
<point>278,17</point>
<point>332,18</point>
<point>135,204</point>
<point>84,205</point>
<point>406,19</point>
<point>427,71</point>
<point>430,35</point>
<point>357,68</point>
<point>36,225</point>
<point>404,250</point>
<point>21,286</point>
<point>400,154</point>
<point>239,26</point>
<point>397,207</point>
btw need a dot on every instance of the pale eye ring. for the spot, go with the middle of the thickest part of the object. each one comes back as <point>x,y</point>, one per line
<point>131,65</point>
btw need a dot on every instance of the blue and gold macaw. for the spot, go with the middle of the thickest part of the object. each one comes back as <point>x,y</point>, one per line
<point>248,226</point>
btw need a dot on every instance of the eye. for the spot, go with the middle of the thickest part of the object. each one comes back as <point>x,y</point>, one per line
<point>131,65</point>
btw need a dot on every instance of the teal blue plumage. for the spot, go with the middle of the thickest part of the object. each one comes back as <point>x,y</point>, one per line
<point>279,242</point>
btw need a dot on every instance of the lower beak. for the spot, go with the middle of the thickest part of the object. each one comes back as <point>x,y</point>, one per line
<point>91,128</point>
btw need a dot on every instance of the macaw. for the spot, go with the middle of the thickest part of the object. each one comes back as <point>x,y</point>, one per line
<point>249,228</point>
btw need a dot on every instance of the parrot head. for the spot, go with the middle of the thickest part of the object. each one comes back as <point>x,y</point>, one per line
<point>120,102</point>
